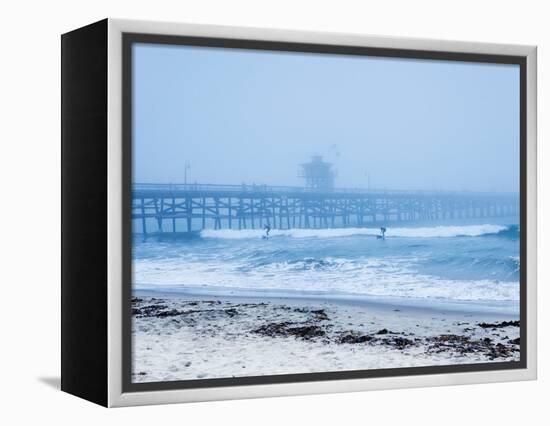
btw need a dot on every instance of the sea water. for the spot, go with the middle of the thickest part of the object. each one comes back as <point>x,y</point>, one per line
<point>446,262</point>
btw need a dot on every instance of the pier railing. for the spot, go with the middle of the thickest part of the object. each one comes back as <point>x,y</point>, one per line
<point>196,187</point>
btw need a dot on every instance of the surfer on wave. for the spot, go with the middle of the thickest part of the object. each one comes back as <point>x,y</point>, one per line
<point>382,235</point>
<point>267,228</point>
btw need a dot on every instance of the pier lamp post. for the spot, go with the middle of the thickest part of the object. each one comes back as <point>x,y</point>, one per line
<point>186,167</point>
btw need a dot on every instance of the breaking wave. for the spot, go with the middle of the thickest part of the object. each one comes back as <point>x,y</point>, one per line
<point>457,263</point>
<point>392,277</point>
<point>420,232</point>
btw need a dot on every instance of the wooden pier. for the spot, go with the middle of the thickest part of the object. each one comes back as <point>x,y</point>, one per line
<point>159,208</point>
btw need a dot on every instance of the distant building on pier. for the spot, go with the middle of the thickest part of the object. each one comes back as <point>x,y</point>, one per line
<point>318,174</point>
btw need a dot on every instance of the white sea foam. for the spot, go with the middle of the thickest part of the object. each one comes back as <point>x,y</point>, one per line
<point>389,276</point>
<point>420,232</point>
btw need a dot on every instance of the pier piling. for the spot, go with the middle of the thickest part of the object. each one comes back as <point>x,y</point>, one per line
<point>220,206</point>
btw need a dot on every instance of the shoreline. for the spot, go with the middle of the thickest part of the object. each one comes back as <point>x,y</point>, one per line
<point>180,336</point>
<point>505,307</point>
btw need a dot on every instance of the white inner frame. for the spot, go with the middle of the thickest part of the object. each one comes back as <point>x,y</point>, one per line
<point>116,397</point>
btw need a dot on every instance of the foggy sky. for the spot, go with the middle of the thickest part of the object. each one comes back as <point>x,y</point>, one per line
<point>251,116</point>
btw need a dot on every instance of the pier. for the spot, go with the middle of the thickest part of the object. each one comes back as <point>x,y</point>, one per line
<point>160,208</point>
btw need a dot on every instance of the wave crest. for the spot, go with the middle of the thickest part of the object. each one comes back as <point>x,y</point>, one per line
<point>419,232</point>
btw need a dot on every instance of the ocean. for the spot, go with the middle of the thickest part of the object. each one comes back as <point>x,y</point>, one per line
<point>467,263</point>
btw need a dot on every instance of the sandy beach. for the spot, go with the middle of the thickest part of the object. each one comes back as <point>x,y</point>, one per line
<point>185,336</point>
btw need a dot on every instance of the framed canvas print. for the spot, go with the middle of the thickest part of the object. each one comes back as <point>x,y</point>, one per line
<point>251,212</point>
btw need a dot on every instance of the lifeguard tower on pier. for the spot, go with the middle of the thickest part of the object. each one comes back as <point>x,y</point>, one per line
<point>318,174</point>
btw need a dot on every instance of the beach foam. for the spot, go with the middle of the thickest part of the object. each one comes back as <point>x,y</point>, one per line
<point>392,277</point>
<point>456,263</point>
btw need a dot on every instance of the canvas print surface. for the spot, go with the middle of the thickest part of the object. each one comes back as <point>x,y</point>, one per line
<point>308,213</point>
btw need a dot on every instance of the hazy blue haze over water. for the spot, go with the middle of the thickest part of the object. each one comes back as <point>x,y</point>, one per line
<point>253,116</point>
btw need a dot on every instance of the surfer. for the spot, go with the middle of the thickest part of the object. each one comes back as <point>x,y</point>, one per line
<point>382,235</point>
<point>267,228</point>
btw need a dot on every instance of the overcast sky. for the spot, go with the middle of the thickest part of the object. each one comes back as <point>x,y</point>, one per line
<point>253,116</point>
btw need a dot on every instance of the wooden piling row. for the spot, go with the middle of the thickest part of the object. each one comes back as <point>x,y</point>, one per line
<point>191,210</point>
